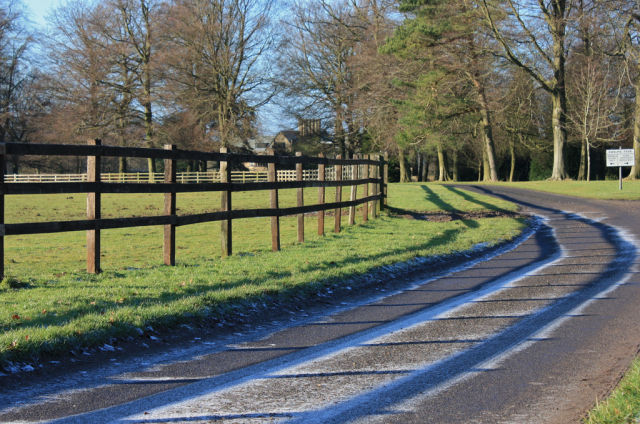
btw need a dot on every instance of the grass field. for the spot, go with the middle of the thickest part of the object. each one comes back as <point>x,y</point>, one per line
<point>51,305</point>
<point>591,189</point>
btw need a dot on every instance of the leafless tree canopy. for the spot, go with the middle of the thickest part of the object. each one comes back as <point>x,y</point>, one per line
<point>469,89</point>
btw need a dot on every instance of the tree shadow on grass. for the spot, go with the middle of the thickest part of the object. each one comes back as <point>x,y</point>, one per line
<point>455,213</point>
<point>472,199</point>
<point>274,283</point>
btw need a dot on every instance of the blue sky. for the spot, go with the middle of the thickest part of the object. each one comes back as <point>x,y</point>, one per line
<point>38,9</point>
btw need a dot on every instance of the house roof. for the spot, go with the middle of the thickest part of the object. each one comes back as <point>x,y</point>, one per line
<point>291,135</point>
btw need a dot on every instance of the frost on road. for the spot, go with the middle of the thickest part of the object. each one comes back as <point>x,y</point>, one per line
<point>376,361</point>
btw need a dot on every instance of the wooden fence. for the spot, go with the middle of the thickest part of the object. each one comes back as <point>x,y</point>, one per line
<point>370,172</point>
<point>181,177</point>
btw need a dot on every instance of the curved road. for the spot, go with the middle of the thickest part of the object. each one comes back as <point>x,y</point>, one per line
<point>534,333</point>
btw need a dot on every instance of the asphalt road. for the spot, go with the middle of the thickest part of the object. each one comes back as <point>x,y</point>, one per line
<point>532,333</point>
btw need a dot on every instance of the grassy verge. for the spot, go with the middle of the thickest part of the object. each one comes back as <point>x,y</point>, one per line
<point>623,406</point>
<point>51,305</point>
<point>592,189</point>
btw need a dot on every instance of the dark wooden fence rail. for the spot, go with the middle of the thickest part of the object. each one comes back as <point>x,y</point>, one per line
<point>373,178</point>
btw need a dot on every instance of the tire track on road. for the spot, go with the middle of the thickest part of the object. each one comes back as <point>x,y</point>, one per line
<point>413,344</point>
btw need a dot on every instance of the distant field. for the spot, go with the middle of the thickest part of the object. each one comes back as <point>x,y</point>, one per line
<point>50,304</point>
<point>591,189</point>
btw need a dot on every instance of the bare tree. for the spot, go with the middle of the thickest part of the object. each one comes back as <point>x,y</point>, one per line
<point>78,67</point>
<point>594,99</point>
<point>316,65</point>
<point>216,66</point>
<point>624,26</point>
<point>14,75</point>
<point>519,118</point>
<point>533,37</point>
<point>135,32</point>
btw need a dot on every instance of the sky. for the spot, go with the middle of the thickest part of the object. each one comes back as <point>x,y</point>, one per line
<point>37,10</point>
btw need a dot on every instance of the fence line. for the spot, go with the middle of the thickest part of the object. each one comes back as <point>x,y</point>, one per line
<point>181,177</point>
<point>369,172</point>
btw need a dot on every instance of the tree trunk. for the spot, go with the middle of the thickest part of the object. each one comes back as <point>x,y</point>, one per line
<point>559,101</point>
<point>122,165</point>
<point>442,166</point>
<point>512,153</point>
<point>403,166</point>
<point>148,128</point>
<point>339,131</point>
<point>486,175</point>
<point>425,165</point>
<point>635,169</point>
<point>487,136</point>
<point>455,166</point>
<point>588,145</point>
<point>583,160</point>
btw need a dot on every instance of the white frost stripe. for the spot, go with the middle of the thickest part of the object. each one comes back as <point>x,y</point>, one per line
<point>445,308</point>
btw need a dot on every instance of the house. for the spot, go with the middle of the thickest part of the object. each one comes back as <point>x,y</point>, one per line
<point>257,145</point>
<point>310,139</point>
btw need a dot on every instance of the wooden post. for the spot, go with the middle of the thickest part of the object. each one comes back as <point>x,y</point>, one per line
<point>365,194</point>
<point>321,189</point>
<point>275,220</point>
<point>93,212</point>
<point>300,200</point>
<point>338,217</point>
<point>226,232</point>
<point>374,188</point>
<point>385,179</point>
<point>354,193</point>
<point>169,245</point>
<point>3,170</point>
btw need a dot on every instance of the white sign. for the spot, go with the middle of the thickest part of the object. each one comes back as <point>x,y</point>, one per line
<point>620,157</point>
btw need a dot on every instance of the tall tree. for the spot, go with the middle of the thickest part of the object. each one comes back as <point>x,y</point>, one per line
<point>532,35</point>
<point>136,29</point>
<point>625,27</point>
<point>216,63</point>
<point>77,69</point>
<point>14,74</point>
<point>374,91</point>
<point>317,65</point>
<point>443,37</point>
<point>520,117</point>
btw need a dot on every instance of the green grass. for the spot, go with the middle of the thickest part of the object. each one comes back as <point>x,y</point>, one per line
<point>623,406</point>
<point>49,304</point>
<point>592,189</point>
<point>432,197</point>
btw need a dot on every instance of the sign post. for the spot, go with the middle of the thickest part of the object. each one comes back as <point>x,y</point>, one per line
<point>620,157</point>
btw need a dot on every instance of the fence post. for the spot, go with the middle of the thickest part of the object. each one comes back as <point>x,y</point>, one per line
<point>225,203</point>
<point>300,199</point>
<point>374,189</point>
<point>321,190</point>
<point>365,194</point>
<point>338,216</point>
<point>354,193</point>
<point>3,169</point>
<point>93,212</point>
<point>169,245</point>
<point>385,179</point>
<point>275,220</point>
